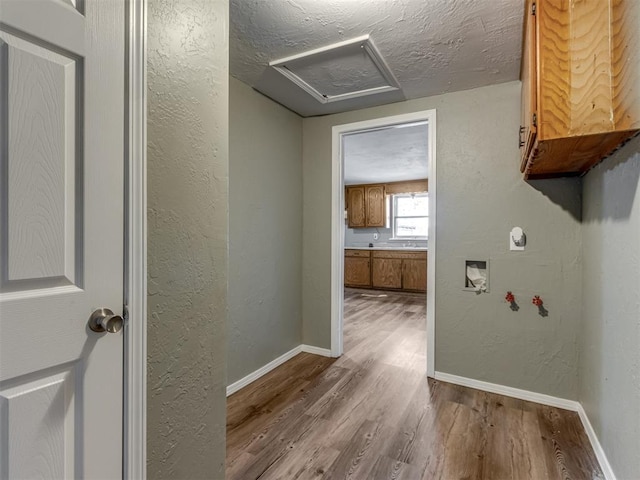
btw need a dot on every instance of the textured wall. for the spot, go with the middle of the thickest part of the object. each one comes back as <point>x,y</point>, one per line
<point>610,354</point>
<point>481,196</point>
<point>265,231</point>
<point>188,205</point>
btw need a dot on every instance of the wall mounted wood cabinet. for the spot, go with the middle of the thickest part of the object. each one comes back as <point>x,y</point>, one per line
<point>357,268</point>
<point>580,85</point>
<point>366,206</point>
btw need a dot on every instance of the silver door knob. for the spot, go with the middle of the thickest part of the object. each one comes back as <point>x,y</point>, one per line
<point>104,320</point>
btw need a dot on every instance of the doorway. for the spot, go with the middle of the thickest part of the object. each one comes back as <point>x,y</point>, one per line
<point>339,133</point>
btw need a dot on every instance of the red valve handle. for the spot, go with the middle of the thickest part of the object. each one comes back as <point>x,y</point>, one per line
<point>510,297</point>
<point>537,301</point>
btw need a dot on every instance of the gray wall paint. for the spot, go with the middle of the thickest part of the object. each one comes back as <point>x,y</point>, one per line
<point>610,355</point>
<point>481,196</point>
<point>265,231</point>
<point>187,245</point>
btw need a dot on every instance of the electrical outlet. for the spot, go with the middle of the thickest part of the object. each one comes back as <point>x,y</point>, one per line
<point>375,236</point>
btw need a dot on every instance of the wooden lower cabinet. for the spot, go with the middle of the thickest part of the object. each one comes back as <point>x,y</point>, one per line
<point>386,273</point>
<point>357,269</point>
<point>386,269</point>
<point>414,275</point>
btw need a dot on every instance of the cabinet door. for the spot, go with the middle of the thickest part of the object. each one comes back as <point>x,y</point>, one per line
<point>386,273</point>
<point>414,275</point>
<point>357,272</point>
<point>528,129</point>
<point>356,207</point>
<point>375,206</point>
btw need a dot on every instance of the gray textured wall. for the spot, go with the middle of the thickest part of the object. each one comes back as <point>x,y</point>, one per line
<point>265,231</point>
<point>188,205</point>
<point>481,196</point>
<point>610,354</point>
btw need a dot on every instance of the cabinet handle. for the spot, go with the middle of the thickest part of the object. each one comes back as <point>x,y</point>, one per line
<point>520,140</point>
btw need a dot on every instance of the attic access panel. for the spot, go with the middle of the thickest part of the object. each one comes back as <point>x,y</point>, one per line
<point>350,69</point>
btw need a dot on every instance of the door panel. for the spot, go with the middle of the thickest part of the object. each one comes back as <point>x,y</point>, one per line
<point>356,207</point>
<point>357,272</point>
<point>375,206</point>
<point>529,93</point>
<point>61,237</point>
<point>414,275</point>
<point>386,273</point>
<point>41,164</point>
<point>40,417</point>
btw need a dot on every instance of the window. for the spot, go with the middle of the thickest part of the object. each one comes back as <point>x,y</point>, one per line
<point>410,215</point>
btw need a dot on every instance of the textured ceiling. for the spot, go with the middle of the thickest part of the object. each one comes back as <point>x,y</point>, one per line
<point>386,155</point>
<point>431,46</point>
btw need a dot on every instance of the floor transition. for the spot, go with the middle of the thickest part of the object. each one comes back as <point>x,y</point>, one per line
<point>372,414</point>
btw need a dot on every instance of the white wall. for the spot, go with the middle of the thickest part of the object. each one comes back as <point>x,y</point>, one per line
<point>187,244</point>
<point>610,354</point>
<point>481,196</point>
<point>265,231</point>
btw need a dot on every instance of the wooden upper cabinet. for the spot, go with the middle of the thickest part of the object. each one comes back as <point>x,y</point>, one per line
<point>580,85</point>
<point>375,206</point>
<point>365,206</point>
<point>528,128</point>
<point>356,207</point>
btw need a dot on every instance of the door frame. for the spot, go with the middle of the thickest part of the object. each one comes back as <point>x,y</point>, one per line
<point>135,246</point>
<point>338,227</point>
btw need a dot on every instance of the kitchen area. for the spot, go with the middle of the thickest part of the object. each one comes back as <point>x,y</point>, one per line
<point>386,209</point>
<point>386,261</point>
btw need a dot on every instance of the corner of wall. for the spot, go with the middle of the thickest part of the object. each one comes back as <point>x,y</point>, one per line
<point>187,237</point>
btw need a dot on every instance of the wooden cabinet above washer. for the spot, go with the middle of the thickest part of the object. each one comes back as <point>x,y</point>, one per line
<point>580,85</point>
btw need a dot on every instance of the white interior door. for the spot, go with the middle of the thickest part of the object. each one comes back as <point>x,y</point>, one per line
<point>62,116</point>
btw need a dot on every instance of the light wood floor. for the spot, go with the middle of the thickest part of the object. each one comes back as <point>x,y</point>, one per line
<point>372,414</point>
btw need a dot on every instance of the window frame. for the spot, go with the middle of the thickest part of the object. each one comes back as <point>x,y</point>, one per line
<point>395,216</point>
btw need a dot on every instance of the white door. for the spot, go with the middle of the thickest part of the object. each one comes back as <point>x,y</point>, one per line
<point>62,113</point>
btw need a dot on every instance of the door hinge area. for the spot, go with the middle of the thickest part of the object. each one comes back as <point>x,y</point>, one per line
<point>534,120</point>
<point>533,9</point>
<point>125,312</point>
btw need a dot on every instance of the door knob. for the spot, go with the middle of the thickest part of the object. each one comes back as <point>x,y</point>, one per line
<point>104,320</point>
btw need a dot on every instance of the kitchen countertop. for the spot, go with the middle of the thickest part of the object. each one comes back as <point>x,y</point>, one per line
<point>390,247</point>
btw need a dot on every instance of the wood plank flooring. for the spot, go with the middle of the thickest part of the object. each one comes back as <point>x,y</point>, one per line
<point>372,414</point>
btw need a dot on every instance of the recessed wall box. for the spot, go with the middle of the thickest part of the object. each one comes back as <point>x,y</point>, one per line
<point>476,276</point>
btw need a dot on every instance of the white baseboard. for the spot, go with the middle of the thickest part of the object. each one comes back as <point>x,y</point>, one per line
<point>542,399</point>
<point>595,443</point>
<point>509,391</point>
<point>325,352</point>
<point>253,376</point>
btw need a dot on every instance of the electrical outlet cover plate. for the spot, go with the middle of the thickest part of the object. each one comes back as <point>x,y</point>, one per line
<point>517,239</point>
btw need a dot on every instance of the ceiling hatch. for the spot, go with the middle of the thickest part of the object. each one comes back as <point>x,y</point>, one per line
<point>341,71</point>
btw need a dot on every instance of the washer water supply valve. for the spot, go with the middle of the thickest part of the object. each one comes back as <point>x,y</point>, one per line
<point>511,300</point>
<point>537,301</point>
